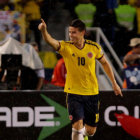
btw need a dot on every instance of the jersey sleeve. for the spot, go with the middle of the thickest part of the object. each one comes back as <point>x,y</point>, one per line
<point>99,52</point>
<point>62,48</point>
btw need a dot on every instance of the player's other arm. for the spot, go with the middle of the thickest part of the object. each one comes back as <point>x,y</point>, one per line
<point>110,74</point>
<point>47,37</point>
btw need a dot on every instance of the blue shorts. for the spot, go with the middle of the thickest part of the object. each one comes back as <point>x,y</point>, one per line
<point>83,107</point>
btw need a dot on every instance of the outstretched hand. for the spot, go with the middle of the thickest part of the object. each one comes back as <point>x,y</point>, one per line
<point>42,26</point>
<point>117,90</point>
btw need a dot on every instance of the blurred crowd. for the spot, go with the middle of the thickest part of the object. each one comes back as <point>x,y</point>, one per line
<point>118,19</point>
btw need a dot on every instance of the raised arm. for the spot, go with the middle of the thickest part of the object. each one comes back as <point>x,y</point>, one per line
<point>110,74</point>
<point>47,37</point>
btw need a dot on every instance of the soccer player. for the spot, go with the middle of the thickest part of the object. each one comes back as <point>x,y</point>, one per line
<point>81,83</point>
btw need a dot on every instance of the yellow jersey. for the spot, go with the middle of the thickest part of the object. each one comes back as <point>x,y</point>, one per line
<point>80,64</point>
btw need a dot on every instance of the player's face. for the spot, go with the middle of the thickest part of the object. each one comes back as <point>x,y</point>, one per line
<point>75,35</point>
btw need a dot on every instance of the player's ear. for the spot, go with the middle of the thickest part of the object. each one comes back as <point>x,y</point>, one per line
<point>83,32</point>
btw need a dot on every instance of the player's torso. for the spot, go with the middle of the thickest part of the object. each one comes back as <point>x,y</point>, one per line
<point>80,65</point>
<point>80,59</point>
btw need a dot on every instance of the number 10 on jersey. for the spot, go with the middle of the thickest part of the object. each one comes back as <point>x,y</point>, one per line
<point>81,61</point>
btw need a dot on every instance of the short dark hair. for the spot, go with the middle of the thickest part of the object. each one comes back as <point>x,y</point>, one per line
<point>77,23</point>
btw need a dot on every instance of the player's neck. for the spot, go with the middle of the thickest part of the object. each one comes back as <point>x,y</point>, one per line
<point>80,43</point>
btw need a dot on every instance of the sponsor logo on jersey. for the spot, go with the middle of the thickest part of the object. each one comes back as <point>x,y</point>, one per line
<point>73,54</point>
